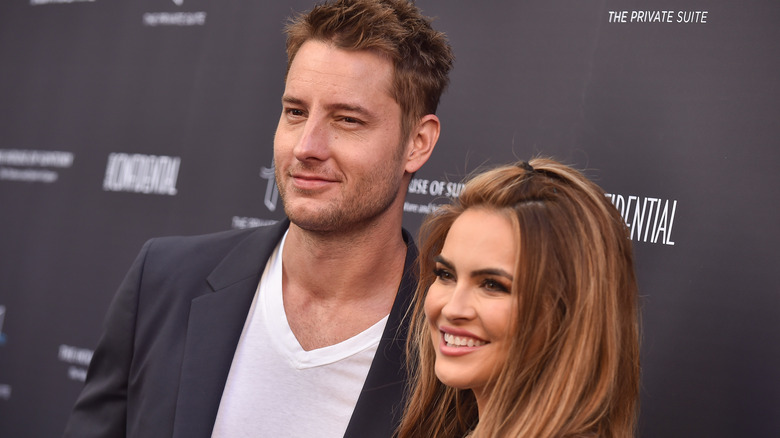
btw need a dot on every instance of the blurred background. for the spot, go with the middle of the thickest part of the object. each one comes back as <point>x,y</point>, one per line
<point>125,120</point>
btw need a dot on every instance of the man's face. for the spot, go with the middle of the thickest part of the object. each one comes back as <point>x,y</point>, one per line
<point>338,150</point>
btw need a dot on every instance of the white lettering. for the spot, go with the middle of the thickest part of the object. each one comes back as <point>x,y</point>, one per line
<point>454,189</point>
<point>174,19</point>
<point>47,2</point>
<point>29,158</point>
<point>620,203</point>
<point>77,373</point>
<point>418,187</point>
<point>5,392</point>
<point>271,191</point>
<point>692,17</point>
<point>239,222</point>
<point>657,16</point>
<point>148,174</point>
<point>650,219</point>
<point>75,355</point>
<point>28,175</point>
<point>652,16</point>
<point>652,201</point>
<point>617,16</point>
<point>665,224</point>
<point>421,209</point>
<point>639,217</point>
<point>437,188</point>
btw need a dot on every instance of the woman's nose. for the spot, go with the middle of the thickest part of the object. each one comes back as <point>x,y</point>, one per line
<point>460,304</point>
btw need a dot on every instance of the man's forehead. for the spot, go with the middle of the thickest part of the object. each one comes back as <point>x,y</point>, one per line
<point>337,76</point>
<point>328,59</point>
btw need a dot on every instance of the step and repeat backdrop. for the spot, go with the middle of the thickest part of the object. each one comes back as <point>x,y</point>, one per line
<point>125,120</point>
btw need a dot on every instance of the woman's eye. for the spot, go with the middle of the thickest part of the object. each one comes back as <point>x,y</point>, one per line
<point>495,286</point>
<point>442,274</point>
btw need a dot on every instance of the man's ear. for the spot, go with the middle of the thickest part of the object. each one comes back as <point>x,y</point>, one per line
<point>421,143</point>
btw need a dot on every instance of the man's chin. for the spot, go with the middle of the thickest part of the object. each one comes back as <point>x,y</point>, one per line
<point>314,221</point>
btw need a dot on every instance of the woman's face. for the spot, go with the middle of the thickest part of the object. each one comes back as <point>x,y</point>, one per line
<point>469,306</point>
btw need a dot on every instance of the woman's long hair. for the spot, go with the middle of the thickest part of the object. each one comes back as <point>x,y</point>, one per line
<point>573,364</point>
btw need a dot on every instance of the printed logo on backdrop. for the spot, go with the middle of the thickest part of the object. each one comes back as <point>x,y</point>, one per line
<point>5,390</point>
<point>270,200</point>
<point>2,320</point>
<point>33,165</point>
<point>658,16</point>
<point>648,219</point>
<point>176,18</point>
<point>51,2</point>
<point>77,359</point>
<point>431,190</point>
<point>145,174</point>
<point>271,191</point>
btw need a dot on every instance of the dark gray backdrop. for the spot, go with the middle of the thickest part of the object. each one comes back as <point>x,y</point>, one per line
<point>124,120</point>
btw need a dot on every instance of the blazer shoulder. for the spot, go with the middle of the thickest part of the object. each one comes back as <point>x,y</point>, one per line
<point>172,256</point>
<point>213,242</point>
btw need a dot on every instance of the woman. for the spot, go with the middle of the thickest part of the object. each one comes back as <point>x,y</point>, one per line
<point>525,322</point>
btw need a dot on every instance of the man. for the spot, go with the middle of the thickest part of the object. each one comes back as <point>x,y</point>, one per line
<point>295,329</point>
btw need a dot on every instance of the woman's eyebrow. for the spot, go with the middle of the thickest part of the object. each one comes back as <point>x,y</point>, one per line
<point>494,272</point>
<point>479,272</point>
<point>440,259</point>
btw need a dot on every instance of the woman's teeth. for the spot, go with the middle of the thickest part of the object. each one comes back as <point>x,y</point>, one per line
<point>458,341</point>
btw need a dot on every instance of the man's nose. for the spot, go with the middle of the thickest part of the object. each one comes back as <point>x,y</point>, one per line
<point>314,140</point>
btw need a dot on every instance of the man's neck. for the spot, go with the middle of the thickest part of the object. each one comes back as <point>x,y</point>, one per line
<point>334,265</point>
<point>335,286</point>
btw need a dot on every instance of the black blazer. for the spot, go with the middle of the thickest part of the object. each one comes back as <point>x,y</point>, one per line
<point>162,361</point>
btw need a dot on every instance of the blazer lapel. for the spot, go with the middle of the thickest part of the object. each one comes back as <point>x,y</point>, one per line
<point>214,328</point>
<point>381,402</point>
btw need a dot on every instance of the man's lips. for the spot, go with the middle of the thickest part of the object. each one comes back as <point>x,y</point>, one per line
<point>307,181</point>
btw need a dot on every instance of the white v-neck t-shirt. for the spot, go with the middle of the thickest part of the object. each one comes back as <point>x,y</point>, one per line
<point>277,389</point>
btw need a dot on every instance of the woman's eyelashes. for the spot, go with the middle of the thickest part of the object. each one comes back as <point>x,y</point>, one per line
<point>488,283</point>
<point>494,285</point>
<point>443,274</point>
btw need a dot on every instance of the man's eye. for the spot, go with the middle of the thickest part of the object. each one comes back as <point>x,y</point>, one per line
<point>295,112</point>
<point>351,121</point>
